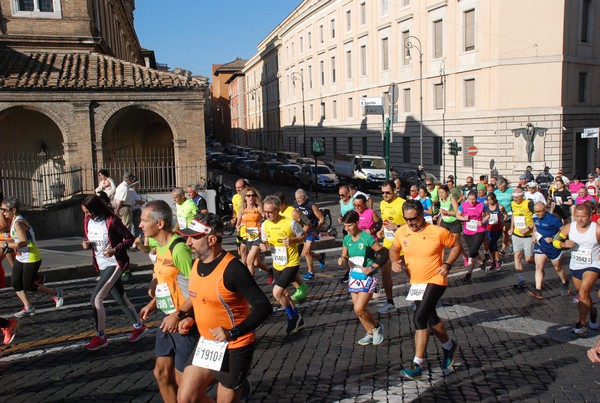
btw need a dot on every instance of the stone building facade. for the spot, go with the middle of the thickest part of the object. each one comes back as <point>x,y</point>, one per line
<point>479,68</point>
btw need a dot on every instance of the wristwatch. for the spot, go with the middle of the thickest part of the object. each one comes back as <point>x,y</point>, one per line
<point>234,333</point>
<point>181,315</point>
<point>448,264</point>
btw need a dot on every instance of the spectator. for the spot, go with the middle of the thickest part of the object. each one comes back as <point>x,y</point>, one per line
<point>528,174</point>
<point>544,179</point>
<point>124,199</point>
<point>107,184</point>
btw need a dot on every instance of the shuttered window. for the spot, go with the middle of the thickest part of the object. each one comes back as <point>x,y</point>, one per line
<point>438,35</point>
<point>469,30</point>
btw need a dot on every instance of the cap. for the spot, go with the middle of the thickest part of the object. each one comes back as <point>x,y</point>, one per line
<point>481,186</point>
<point>195,228</point>
<point>523,177</point>
<point>517,192</point>
<point>529,166</point>
<point>532,184</point>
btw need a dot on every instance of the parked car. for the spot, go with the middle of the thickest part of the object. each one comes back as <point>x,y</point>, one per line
<point>287,174</point>
<point>236,165</point>
<point>325,178</point>
<point>253,170</point>
<point>245,169</point>
<point>308,161</point>
<point>267,169</point>
<point>287,157</point>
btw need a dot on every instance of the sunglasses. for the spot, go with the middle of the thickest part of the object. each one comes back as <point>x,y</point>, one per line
<point>251,195</point>
<point>386,193</point>
<point>343,195</point>
<point>3,209</point>
<point>410,219</point>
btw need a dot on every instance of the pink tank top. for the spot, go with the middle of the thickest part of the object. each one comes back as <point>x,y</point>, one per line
<point>365,221</point>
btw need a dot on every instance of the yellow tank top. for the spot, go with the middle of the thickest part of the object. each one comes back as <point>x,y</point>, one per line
<point>522,218</point>
<point>283,256</point>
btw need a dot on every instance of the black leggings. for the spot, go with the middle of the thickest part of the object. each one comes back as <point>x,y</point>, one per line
<point>474,242</point>
<point>425,315</point>
<point>24,274</point>
<point>4,323</point>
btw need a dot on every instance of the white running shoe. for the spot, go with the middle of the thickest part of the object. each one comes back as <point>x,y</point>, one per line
<point>386,308</point>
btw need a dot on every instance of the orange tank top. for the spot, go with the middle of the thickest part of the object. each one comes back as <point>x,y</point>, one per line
<point>166,272</point>
<point>214,305</point>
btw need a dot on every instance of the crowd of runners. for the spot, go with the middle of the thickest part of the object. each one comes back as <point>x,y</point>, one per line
<point>212,304</point>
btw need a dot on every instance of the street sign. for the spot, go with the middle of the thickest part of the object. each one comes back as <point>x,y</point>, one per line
<point>393,93</point>
<point>371,101</point>
<point>374,110</point>
<point>591,133</point>
<point>472,151</point>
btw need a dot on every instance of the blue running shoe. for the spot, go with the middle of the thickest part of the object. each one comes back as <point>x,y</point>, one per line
<point>321,261</point>
<point>449,355</point>
<point>308,276</point>
<point>413,372</point>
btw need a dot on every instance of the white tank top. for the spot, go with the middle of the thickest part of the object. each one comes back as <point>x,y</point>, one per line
<point>586,253</point>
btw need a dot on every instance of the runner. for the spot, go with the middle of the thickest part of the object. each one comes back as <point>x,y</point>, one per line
<point>498,216</point>
<point>583,236</point>
<point>425,199</point>
<point>391,214</point>
<point>108,239</point>
<point>192,191</point>
<point>474,218</point>
<point>28,259</point>
<point>423,245</point>
<point>563,200</point>
<point>345,203</point>
<point>236,202</point>
<point>312,218</point>
<point>283,235</point>
<point>355,192</point>
<point>547,226</point>
<point>521,230</point>
<point>250,216</point>
<point>7,253</point>
<point>447,217</point>
<point>169,290</point>
<point>364,255</point>
<point>504,197</point>
<point>186,208</point>
<point>227,306</point>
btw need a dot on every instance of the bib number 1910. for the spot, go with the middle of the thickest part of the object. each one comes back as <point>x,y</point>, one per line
<point>209,354</point>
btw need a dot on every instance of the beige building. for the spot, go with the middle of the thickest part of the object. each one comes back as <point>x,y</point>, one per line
<point>488,68</point>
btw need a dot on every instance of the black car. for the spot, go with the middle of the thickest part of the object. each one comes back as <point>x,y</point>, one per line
<point>286,175</point>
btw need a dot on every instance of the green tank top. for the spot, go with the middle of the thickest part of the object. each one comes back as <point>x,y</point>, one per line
<point>447,205</point>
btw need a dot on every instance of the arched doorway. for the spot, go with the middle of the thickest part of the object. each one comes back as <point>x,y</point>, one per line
<point>31,158</point>
<point>140,141</point>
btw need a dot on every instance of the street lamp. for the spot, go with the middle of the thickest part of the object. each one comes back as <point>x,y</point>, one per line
<point>298,76</point>
<point>220,109</point>
<point>443,84</point>
<point>408,44</point>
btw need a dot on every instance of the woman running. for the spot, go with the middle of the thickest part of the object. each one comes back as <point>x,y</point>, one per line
<point>28,259</point>
<point>250,216</point>
<point>363,255</point>
<point>368,220</point>
<point>425,199</point>
<point>109,240</point>
<point>447,216</point>
<point>474,218</point>
<point>497,216</point>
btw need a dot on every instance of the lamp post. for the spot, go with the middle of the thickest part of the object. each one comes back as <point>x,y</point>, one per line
<point>443,84</point>
<point>298,76</point>
<point>408,44</point>
<point>220,109</point>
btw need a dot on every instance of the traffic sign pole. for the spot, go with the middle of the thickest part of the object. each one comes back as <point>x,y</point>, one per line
<point>472,152</point>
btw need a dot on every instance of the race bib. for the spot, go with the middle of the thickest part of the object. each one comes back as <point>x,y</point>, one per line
<point>164,301</point>
<point>591,191</point>
<point>559,199</point>
<point>182,222</point>
<point>429,219</point>
<point>582,255</point>
<point>472,225</point>
<point>520,221</point>
<point>280,256</point>
<point>252,233</point>
<point>537,236</point>
<point>209,354</point>
<point>389,234</point>
<point>152,256</point>
<point>493,219</point>
<point>416,292</point>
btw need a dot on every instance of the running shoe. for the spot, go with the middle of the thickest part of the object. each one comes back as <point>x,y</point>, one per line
<point>565,291</point>
<point>308,276</point>
<point>501,251</point>
<point>467,278</point>
<point>413,372</point>
<point>26,311</point>
<point>58,298</point>
<point>386,307</point>
<point>321,261</point>
<point>576,299</point>
<point>137,334</point>
<point>11,331</point>
<point>40,280</point>
<point>365,341</point>
<point>449,355</point>
<point>270,277</point>
<point>300,292</point>
<point>498,264</point>
<point>593,322</point>
<point>294,324</point>
<point>537,294</point>
<point>579,330</point>
<point>345,278</point>
<point>520,284</point>
<point>377,335</point>
<point>509,250</point>
<point>126,275</point>
<point>96,343</point>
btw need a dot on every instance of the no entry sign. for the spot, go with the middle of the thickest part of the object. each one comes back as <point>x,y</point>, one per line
<point>472,151</point>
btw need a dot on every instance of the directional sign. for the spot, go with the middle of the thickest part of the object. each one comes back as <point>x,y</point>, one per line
<point>590,133</point>
<point>371,101</point>
<point>374,110</point>
<point>472,151</point>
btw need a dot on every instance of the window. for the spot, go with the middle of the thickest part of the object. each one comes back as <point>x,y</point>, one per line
<point>320,33</point>
<point>438,44</point>
<point>582,89</point>
<point>585,20</point>
<point>348,20</point>
<point>437,151</point>
<point>406,100</point>
<point>468,141</point>
<point>348,64</point>
<point>334,148</point>
<point>311,115</point>
<point>385,7</point>
<point>350,109</point>
<point>322,72</point>
<point>350,146</point>
<point>334,109</point>
<point>322,110</point>
<point>469,30</point>
<point>363,60</point>
<point>310,77</point>
<point>385,61</point>
<point>309,39</point>
<point>363,13</point>
<point>301,45</point>
<point>364,145</point>
<point>438,90</point>
<point>333,69</point>
<point>406,150</point>
<point>37,8</point>
<point>332,26</point>
<point>405,60</point>
<point>470,93</point>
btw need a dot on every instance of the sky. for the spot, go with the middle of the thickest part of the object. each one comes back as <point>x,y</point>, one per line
<point>199,33</point>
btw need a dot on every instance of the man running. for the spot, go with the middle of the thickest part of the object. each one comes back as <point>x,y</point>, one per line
<point>284,235</point>
<point>582,235</point>
<point>391,214</point>
<point>169,288</point>
<point>423,246</point>
<point>521,229</point>
<point>186,208</point>
<point>312,218</point>
<point>227,306</point>
<point>192,191</point>
<point>236,202</point>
